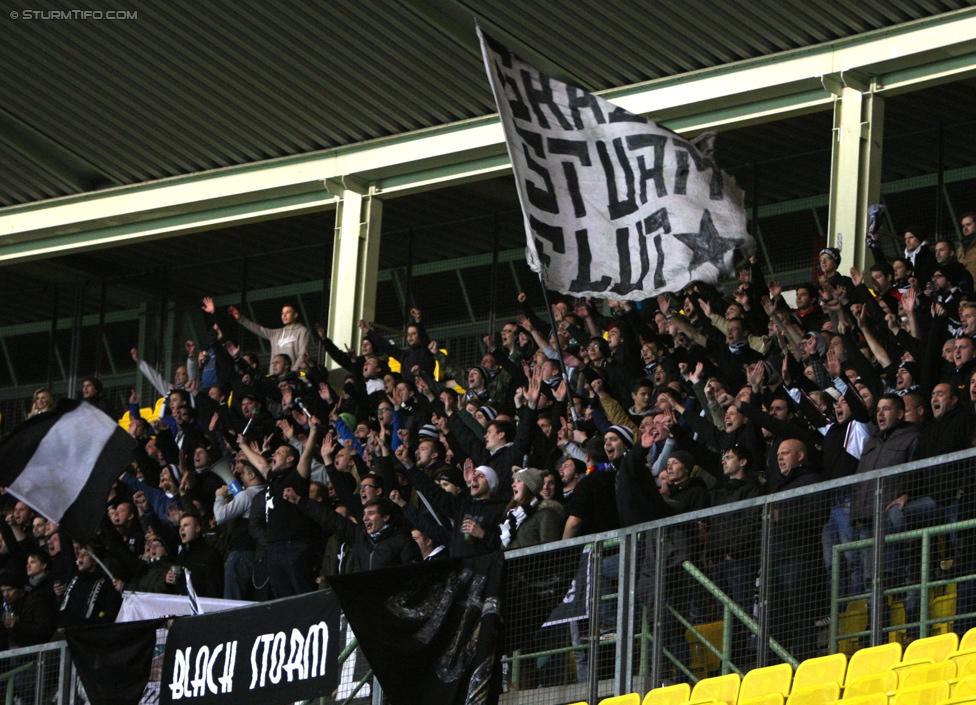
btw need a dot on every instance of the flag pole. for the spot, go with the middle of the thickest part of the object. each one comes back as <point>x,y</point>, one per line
<point>559,347</point>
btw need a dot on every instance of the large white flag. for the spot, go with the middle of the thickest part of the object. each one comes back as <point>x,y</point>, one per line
<point>615,206</point>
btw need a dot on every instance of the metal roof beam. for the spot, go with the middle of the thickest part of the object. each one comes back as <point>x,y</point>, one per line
<point>908,56</point>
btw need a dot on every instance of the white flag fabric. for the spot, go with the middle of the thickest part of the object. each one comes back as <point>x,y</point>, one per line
<point>615,206</point>
<point>62,464</point>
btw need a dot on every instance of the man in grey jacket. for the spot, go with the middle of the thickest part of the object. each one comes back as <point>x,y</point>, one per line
<point>290,340</point>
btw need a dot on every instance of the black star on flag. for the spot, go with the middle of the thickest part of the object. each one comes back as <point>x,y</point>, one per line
<point>705,245</point>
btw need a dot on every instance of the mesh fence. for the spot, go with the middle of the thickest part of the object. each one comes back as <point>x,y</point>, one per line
<point>776,579</point>
<point>36,674</point>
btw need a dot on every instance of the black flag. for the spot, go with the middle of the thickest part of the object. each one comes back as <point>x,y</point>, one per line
<point>114,661</point>
<point>430,631</point>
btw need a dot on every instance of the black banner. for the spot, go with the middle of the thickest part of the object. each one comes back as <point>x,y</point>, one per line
<point>281,651</point>
<point>431,631</point>
<point>114,661</point>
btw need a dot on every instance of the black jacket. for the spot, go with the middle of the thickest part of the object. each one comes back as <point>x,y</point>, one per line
<point>393,546</point>
<point>488,513</point>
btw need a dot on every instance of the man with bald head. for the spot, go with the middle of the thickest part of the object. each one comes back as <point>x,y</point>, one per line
<point>798,585</point>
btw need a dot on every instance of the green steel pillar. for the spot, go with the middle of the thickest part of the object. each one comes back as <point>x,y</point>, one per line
<point>855,168</point>
<point>355,259</point>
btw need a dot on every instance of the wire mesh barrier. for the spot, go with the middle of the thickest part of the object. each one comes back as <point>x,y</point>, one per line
<point>803,571</point>
<point>37,674</point>
<point>776,579</point>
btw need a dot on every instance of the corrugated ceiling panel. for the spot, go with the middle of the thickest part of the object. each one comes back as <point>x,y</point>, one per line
<point>188,87</point>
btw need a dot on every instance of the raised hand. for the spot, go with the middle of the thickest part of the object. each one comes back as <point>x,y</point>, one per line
<point>833,364</point>
<point>909,299</point>
<point>208,305</point>
<point>232,310</point>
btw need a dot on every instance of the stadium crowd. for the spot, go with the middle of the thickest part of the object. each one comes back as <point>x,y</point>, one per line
<point>609,418</point>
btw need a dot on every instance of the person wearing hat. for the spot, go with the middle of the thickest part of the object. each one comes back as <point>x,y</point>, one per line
<point>156,562</point>
<point>89,598</point>
<point>474,513</point>
<point>829,262</point>
<point>530,519</point>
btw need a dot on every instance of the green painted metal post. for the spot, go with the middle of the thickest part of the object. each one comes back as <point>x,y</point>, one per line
<point>923,615</point>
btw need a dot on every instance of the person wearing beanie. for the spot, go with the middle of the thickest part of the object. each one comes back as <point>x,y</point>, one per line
<point>829,264</point>
<point>475,514</point>
<point>529,519</point>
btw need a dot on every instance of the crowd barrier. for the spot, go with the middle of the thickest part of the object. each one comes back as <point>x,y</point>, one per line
<point>775,579</point>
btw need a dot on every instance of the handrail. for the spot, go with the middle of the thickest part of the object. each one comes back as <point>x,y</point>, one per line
<point>729,604</point>
<point>8,677</point>
<point>924,585</point>
<point>733,507</point>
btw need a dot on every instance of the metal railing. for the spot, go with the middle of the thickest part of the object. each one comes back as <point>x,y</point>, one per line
<point>641,654</point>
<point>640,598</point>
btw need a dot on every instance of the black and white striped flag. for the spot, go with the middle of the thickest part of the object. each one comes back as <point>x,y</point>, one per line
<point>62,464</point>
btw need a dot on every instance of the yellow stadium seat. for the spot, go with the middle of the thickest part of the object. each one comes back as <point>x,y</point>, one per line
<point>896,618</point>
<point>817,671</point>
<point>959,701</point>
<point>765,681</point>
<point>928,694</point>
<point>872,699</point>
<point>852,620</point>
<point>965,688</point>
<point>965,662</point>
<point>882,682</point>
<point>628,699</point>
<point>872,660</point>
<point>823,694</point>
<point>943,607</point>
<point>672,695</point>
<point>770,699</point>
<point>723,689</point>
<point>968,640</point>
<point>912,663</point>
<point>926,673</point>
<point>936,647</point>
<point>703,660</point>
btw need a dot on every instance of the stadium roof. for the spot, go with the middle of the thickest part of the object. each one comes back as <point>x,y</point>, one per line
<point>181,88</point>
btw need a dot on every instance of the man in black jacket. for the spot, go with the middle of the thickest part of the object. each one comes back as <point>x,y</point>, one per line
<point>202,560</point>
<point>475,513</point>
<point>733,544</point>
<point>379,542</point>
<point>797,583</point>
<point>283,526</point>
